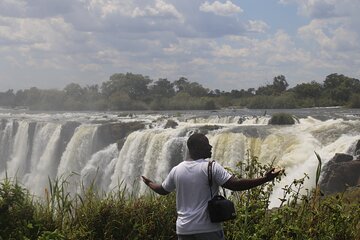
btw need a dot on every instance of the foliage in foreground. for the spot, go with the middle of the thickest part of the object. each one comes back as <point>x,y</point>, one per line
<point>118,216</point>
<point>309,216</point>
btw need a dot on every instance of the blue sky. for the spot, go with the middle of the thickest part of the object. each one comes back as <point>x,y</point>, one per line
<point>221,44</point>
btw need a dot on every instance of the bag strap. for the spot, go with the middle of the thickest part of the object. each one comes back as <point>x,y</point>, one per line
<point>210,178</point>
<point>210,175</point>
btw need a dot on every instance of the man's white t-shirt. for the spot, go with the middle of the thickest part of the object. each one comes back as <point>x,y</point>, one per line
<point>190,179</point>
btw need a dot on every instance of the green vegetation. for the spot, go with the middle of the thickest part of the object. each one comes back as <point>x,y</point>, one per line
<point>119,216</point>
<point>61,216</point>
<point>137,92</point>
<point>281,119</point>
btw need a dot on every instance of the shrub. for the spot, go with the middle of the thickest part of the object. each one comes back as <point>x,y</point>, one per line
<point>282,119</point>
<point>308,216</point>
<point>17,213</point>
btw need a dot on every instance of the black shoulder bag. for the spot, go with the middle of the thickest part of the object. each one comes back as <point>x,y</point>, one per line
<point>220,208</point>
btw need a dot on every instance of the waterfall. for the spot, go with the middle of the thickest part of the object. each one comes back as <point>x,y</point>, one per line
<point>43,159</point>
<point>17,165</point>
<point>76,155</point>
<point>72,146</point>
<point>98,170</point>
<point>145,153</point>
<point>6,144</point>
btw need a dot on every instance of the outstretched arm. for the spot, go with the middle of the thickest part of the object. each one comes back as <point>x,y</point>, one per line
<point>154,186</point>
<point>236,184</point>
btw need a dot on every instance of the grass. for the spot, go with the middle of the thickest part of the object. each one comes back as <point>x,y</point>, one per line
<point>117,216</point>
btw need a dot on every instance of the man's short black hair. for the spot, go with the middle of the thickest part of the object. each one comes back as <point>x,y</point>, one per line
<point>198,146</point>
<point>195,140</point>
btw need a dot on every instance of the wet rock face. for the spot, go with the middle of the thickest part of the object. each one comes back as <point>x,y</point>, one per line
<point>171,124</point>
<point>31,131</point>
<point>340,172</point>
<point>357,149</point>
<point>116,133</point>
<point>67,131</point>
<point>341,157</point>
<point>3,123</point>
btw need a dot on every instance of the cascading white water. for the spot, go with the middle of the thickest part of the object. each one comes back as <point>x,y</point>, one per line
<point>129,161</point>
<point>33,158</point>
<point>144,153</point>
<point>77,153</point>
<point>99,169</point>
<point>43,161</point>
<point>6,145</point>
<point>17,164</point>
<point>163,147</point>
<point>290,147</point>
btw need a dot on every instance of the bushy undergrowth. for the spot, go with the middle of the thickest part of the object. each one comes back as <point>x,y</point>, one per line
<point>118,216</point>
<point>310,216</point>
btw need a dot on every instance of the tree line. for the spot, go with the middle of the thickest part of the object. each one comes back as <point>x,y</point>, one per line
<point>128,91</point>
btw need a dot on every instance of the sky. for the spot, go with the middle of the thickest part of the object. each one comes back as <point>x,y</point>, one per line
<point>220,44</point>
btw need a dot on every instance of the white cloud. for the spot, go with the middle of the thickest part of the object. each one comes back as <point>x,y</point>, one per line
<point>43,43</point>
<point>170,38</point>
<point>248,61</point>
<point>159,9</point>
<point>104,8</point>
<point>331,35</point>
<point>228,51</point>
<point>26,31</point>
<point>222,9</point>
<point>12,7</point>
<point>257,26</point>
<point>322,9</point>
<point>110,8</point>
<point>200,61</point>
<point>318,8</point>
<point>91,67</point>
<point>175,49</point>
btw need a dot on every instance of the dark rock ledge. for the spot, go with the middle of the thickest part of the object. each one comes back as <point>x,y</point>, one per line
<point>341,172</point>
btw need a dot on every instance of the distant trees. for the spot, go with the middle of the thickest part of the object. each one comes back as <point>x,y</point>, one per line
<point>126,91</point>
<point>308,90</point>
<point>278,86</point>
<point>194,89</point>
<point>162,88</point>
<point>137,92</point>
<point>74,97</point>
<point>8,98</point>
<point>340,88</point>
<point>308,94</point>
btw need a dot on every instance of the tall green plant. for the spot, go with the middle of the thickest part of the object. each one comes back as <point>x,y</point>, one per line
<point>17,213</point>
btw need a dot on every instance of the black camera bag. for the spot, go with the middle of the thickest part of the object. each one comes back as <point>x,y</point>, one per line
<point>220,209</point>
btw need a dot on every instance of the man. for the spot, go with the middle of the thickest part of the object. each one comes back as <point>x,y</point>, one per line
<point>190,180</point>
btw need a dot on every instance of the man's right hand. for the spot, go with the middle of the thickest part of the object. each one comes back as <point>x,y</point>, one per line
<point>146,180</point>
<point>273,173</point>
<point>154,186</point>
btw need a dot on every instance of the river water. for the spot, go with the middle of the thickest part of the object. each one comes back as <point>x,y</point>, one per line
<point>38,146</point>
